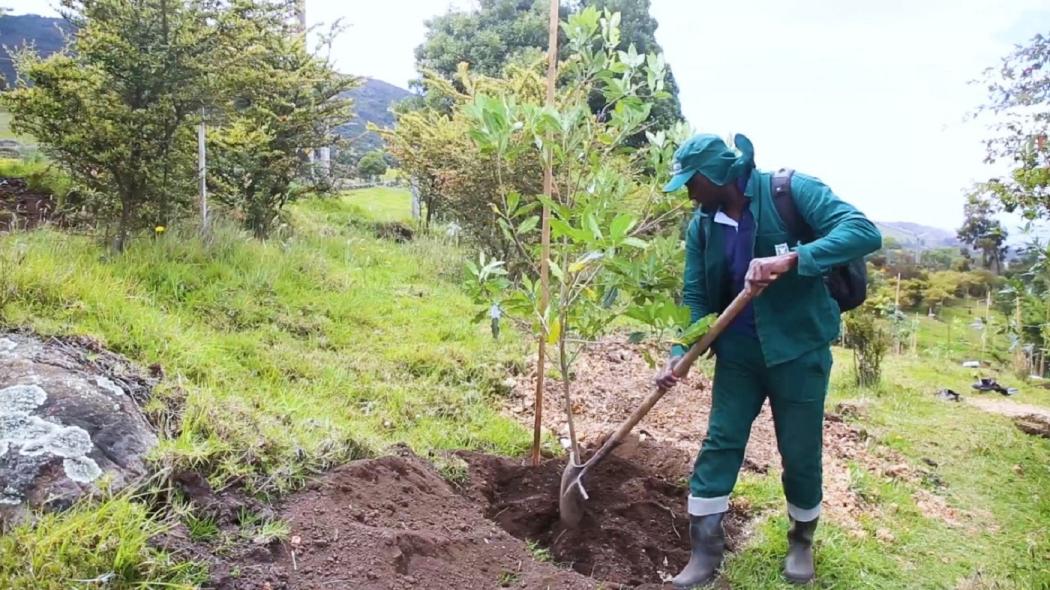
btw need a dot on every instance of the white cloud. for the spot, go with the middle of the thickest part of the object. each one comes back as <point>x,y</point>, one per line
<point>870,96</point>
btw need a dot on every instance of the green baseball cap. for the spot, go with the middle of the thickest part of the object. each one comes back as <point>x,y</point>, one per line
<point>709,155</point>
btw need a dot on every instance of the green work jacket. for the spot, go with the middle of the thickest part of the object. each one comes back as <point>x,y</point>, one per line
<point>795,314</point>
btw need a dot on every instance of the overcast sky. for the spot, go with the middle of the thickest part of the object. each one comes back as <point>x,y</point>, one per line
<point>870,96</point>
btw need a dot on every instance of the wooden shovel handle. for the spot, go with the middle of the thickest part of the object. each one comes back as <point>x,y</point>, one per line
<point>716,329</point>
<point>696,350</point>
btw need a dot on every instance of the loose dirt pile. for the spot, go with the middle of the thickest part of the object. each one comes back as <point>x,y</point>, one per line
<point>394,522</point>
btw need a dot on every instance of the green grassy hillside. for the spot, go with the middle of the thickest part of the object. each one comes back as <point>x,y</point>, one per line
<point>289,357</point>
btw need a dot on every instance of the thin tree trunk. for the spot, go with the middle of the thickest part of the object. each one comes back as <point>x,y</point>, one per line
<point>563,358</point>
<point>120,240</point>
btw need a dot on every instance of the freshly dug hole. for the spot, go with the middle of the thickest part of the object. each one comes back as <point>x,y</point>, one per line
<point>635,531</point>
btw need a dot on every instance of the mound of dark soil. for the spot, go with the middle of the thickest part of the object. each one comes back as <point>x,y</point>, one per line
<point>389,523</point>
<point>394,522</point>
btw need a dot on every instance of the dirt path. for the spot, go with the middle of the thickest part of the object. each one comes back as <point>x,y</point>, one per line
<point>1034,420</point>
<point>1008,408</point>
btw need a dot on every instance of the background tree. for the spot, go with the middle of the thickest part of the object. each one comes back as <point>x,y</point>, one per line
<point>502,32</point>
<point>284,103</point>
<point>372,165</point>
<point>457,180</point>
<point>1019,99</point>
<point>983,232</point>
<point>117,110</point>
<point>114,110</point>
<point>487,38</point>
<point>941,287</point>
<point>868,339</point>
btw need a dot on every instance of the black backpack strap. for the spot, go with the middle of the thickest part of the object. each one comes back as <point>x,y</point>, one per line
<point>786,208</point>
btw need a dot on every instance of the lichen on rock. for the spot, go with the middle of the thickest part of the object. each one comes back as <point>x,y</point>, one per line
<point>21,398</point>
<point>65,420</point>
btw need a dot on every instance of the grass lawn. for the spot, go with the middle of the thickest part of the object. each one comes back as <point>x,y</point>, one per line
<point>383,204</point>
<point>5,126</point>
<point>5,129</point>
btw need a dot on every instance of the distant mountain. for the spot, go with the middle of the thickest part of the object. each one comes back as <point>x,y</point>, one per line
<point>46,34</point>
<point>373,100</point>
<point>914,235</point>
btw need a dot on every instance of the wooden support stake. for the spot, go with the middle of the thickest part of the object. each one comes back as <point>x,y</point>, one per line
<point>545,229</point>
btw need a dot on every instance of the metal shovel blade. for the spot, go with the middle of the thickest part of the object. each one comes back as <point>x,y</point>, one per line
<point>572,495</point>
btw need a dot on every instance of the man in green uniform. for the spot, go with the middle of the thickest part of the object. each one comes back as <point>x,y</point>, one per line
<point>778,347</point>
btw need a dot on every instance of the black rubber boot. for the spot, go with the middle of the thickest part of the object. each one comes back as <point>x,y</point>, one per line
<point>708,540</point>
<point>798,567</point>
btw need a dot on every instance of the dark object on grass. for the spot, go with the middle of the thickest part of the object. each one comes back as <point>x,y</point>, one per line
<point>949,395</point>
<point>985,384</point>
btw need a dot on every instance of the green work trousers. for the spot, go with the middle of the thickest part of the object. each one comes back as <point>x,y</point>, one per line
<point>796,390</point>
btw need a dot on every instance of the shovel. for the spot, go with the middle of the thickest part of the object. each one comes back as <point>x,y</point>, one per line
<point>573,495</point>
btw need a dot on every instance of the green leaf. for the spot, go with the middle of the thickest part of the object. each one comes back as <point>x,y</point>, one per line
<point>561,228</point>
<point>621,225</point>
<point>695,332</point>
<point>649,360</point>
<point>592,225</point>
<point>555,332</point>
<point>529,224</point>
<point>512,202</point>
<point>561,210</point>
<point>640,313</point>
<point>682,315</point>
<point>635,337</point>
<point>556,271</point>
<point>527,208</point>
<point>636,243</point>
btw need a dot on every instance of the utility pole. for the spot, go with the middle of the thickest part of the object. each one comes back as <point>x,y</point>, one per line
<point>323,154</point>
<point>1019,357</point>
<point>987,321</point>
<point>202,172</point>
<point>897,312</point>
<point>545,232</point>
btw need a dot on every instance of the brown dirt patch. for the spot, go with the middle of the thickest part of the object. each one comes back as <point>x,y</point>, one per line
<point>21,207</point>
<point>1034,424</point>
<point>394,522</point>
<point>1007,407</point>
<point>612,378</point>
<point>635,529</point>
